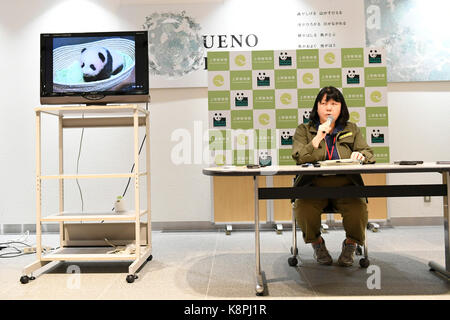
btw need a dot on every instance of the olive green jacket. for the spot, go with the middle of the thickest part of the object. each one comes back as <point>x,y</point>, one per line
<point>348,140</point>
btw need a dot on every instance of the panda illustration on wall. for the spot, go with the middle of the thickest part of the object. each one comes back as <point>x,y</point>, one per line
<point>306,115</point>
<point>286,138</point>
<point>219,120</point>
<point>98,63</point>
<point>352,77</point>
<point>374,56</point>
<point>377,136</point>
<point>262,80</point>
<point>284,59</point>
<point>240,100</point>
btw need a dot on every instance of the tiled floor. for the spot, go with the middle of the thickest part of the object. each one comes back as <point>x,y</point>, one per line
<point>212,265</point>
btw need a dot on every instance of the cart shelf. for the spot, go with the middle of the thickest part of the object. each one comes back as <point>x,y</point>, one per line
<point>93,216</point>
<point>126,226</point>
<point>90,254</point>
<point>92,176</point>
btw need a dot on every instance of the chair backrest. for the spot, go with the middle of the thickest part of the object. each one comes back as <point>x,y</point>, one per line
<point>329,208</point>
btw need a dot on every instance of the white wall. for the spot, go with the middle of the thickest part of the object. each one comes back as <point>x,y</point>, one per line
<point>179,192</point>
<point>21,22</point>
<point>419,129</point>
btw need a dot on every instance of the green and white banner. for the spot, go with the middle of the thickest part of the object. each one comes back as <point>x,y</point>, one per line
<point>256,99</point>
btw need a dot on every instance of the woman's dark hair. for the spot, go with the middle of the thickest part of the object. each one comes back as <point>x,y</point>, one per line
<point>336,95</point>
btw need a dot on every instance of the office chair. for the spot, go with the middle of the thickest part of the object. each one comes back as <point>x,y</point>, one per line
<point>364,262</point>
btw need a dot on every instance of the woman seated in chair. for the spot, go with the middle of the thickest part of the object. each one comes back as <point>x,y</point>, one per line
<point>328,136</point>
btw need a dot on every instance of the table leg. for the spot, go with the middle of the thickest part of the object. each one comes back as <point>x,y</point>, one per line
<point>433,265</point>
<point>294,233</point>
<point>259,278</point>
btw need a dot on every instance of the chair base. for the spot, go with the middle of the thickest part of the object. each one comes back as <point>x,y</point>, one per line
<point>364,262</point>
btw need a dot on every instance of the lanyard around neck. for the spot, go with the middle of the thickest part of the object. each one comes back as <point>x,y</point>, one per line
<point>330,154</point>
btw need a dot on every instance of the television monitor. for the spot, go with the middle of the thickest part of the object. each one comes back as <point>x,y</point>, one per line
<point>94,68</point>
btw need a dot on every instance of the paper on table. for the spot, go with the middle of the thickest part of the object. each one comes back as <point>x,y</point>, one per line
<point>339,162</point>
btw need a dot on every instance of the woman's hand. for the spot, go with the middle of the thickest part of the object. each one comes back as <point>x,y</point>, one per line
<point>324,128</point>
<point>357,156</point>
<point>316,140</point>
<point>322,131</point>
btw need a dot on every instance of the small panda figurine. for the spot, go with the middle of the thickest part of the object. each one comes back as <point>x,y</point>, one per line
<point>265,159</point>
<point>98,63</point>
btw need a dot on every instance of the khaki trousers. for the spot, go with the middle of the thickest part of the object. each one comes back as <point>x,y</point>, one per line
<point>353,210</point>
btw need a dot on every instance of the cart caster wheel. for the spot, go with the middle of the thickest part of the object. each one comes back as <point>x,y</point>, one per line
<point>150,258</point>
<point>24,279</point>
<point>131,278</point>
<point>292,261</point>
<point>364,262</point>
<point>260,294</point>
<point>372,226</point>
<point>294,253</point>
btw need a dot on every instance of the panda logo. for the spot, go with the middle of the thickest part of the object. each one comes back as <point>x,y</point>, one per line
<point>374,56</point>
<point>377,136</point>
<point>284,59</point>
<point>240,100</point>
<point>286,138</point>
<point>306,115</point>
<point>98,63</point>
<point>262,80</point>
<point>219,120</point>
<point>264,159</point>
<point>352,77</point>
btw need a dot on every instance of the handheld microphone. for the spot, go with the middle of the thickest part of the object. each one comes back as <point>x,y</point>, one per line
<point>329,121</point>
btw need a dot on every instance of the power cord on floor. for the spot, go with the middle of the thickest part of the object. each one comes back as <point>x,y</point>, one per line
<point>12,245</point>
<point>20,247</point>
<point>17,252</point>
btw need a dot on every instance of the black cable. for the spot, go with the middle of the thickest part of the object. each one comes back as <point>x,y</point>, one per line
<point>132,168</point>
<point>17,251</point>
<point>19,242</point>
<point>140,149</point>
<point>78,159</point>
<point>14,254</point>
<point>78,163</point>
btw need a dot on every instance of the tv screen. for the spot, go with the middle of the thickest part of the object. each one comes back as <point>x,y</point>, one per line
<point>94,68</point>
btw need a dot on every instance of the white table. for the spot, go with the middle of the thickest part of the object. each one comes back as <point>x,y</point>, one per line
<point>342,192</point>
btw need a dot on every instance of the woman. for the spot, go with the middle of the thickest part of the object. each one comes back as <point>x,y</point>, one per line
<point>329,136</point>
